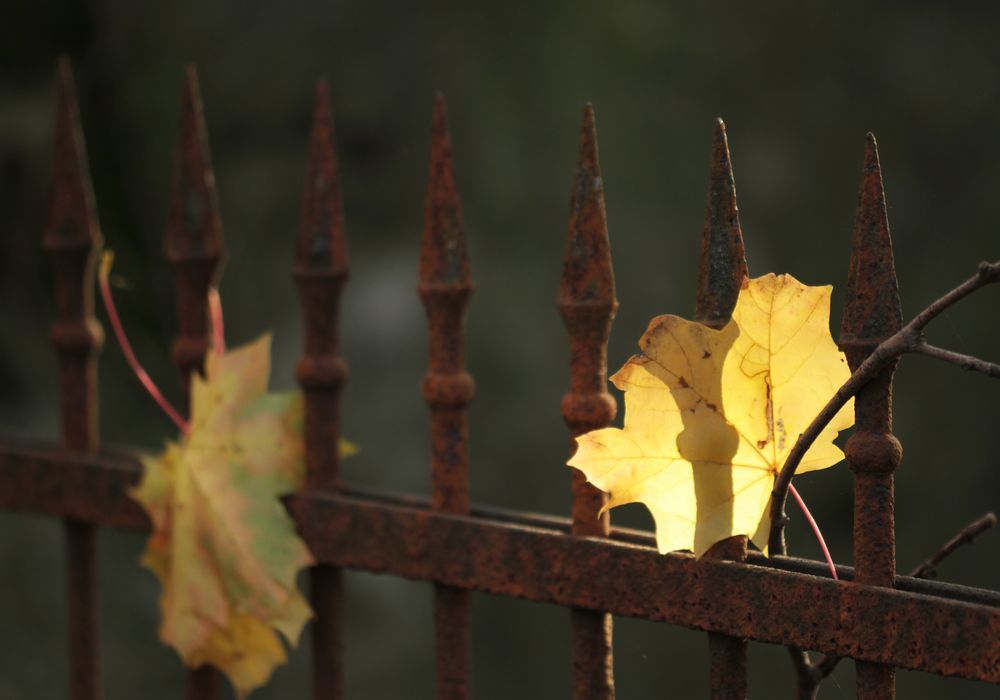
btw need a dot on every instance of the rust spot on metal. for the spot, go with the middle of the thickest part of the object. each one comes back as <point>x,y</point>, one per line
<point>723,266</point>
<point>193,241</point>
<point>321,270</point>
<point>71,239</point>
<point>587,303</point>
<point>444,285</point>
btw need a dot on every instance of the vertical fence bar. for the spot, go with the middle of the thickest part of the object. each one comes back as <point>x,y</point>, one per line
<point>872,313</point>
<point>587,304</point>
<point>193,248</point>
<point>320,271</point>
<point>721,272</point>
<point>445,285</point>
<point>71,239</point>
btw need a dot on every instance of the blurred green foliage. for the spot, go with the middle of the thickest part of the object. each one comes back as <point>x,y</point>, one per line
<point>799,85</point>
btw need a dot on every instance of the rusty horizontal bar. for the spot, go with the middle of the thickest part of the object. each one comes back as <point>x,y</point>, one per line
<point>923,625</point>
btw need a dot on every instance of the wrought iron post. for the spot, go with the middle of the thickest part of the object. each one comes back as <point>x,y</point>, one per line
<point>587,304</point>
<point>871,314</point>
<point>445,286</point>
<point>71,239</point>
<point>321,263</point>
<point>193,248</point>
<point>721,273</point>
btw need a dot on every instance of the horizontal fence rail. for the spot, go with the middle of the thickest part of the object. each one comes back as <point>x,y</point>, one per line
<point>882,620</point>
<point>920,624</point>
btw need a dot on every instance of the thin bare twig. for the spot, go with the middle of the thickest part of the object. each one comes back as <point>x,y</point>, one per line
<point>973,364</point>
<point>908,339</point>
<point>928,569</point>
<point>811,674</point>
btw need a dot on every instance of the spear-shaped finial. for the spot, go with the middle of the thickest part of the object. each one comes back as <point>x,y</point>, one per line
<point>587,274</point>
<point>193,239</point>
<point>723,264</point>
<point>72,218</point>
<point>194,227</point>
<point>322,242</point>
<point>444,262</point>
<point>872,310</point>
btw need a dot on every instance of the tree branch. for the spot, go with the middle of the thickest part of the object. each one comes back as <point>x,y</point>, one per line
<point>909,338</point>
<point>965,536</point>
<point>973,364</point>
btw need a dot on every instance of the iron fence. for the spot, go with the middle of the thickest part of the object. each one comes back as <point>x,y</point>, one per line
<point>881,620</point>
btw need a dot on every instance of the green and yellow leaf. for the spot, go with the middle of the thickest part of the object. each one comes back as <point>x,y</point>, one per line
<point>223,547</point>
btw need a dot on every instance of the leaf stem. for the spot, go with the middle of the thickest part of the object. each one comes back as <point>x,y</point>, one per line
<point>815,529</point>
<point>218,325</point>
<point>909,338</point>
<point>107,259</point>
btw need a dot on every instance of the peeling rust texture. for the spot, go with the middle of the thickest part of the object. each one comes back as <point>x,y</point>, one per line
<point>924,625</point>
<point>193,241</point>
<point>721,273</point>
<point>871,314</point>
<point>193,248</point>
<point>71,240</point>
<point>587,303</point>
<point>320,269</point>
<point>444,285</point>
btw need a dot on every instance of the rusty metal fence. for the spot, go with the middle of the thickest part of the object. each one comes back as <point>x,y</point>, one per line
<point>881,620</point>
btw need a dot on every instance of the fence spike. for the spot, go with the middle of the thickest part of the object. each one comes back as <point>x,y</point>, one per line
<point>322,243</point>
<point>587,277</point>
<point>723,265</point>
<point>72,218</point>
<point>587,304</point>
<point>872,309</point>
<point>193,240</point>
<point>444,262</point>
<point>71,239</point>
<point>194,227</point>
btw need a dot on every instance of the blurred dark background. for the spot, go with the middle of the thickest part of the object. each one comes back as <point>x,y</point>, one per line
<point>799,85</point>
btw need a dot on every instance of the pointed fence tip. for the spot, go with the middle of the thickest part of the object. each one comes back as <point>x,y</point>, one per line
<point>322,113</point>
<point>194,226</point>
<point>444,260</point>
<point>72,218</point>
<point>588,277</point>
<point>723,266</point>
<point>872,311</point>
<point>321,244</point>
<point>440,130</point>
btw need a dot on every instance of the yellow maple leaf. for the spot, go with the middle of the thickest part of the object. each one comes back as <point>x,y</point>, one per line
<point>710,415</point>
<point>223,547</point>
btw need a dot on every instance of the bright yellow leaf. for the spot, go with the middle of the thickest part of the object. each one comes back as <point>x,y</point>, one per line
<point>710,415</point>
<point>223,547</point>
